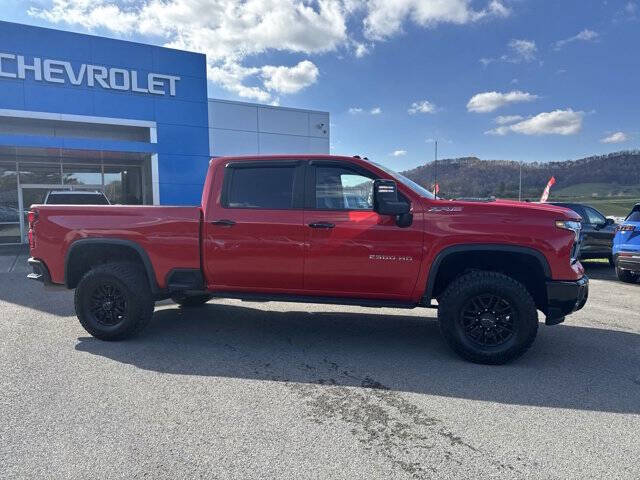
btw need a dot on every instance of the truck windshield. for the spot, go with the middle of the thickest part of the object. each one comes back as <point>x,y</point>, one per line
<point>419,189</point>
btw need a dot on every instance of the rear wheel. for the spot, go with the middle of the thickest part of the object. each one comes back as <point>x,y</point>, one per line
<point>113,301</point>
<point>488,317</point>
<point>626,275</point>
<point>191,300</point>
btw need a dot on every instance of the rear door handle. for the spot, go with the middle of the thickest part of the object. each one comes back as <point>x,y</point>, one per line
<point>322,225</point>
<point>224,222</point>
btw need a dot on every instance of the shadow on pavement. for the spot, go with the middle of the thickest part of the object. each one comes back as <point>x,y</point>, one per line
<point>17,289</point>
<point>568,366</point>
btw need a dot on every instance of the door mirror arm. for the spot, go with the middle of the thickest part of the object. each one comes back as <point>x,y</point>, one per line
<point>404,220</point>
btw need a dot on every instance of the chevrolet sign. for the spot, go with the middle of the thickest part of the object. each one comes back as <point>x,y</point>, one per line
<point>59,71</point>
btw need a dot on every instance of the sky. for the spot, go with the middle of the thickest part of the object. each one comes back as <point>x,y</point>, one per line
<point>525,80</point>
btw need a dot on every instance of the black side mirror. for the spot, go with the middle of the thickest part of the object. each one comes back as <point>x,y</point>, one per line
<point>385,198</point>
<point>385,202</point>
<point>610,221</point>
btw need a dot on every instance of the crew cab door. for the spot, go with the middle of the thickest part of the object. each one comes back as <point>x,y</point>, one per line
<point>253,234</point>
<point>353,251</point>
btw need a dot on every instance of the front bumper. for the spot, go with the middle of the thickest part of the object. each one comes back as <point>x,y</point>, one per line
<point>564,298</point>
<point>628,261</point>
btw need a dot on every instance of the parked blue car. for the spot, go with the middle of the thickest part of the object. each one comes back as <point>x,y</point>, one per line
<point>626,247</point>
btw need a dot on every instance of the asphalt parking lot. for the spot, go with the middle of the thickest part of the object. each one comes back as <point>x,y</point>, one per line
<point>271,390</point>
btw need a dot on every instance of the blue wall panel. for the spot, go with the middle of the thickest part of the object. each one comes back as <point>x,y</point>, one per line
<point>173,194</point>
<point>183,169</point>
<point>112,104</point>
<point>185,140</point>
<point>177,112</point>
<point>182,120</point>
<point>42,97</point>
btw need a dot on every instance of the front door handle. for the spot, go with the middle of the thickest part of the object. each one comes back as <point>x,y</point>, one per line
<point>322,225</point>
<point>224,222</point>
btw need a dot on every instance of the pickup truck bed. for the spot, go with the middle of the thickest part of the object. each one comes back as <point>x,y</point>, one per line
<point>167,237</point>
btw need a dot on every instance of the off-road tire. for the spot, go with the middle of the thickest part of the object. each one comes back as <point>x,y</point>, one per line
<point>132,285</point>
<point>458,295</point>
<point>189,301</point>
<point>626,276</point>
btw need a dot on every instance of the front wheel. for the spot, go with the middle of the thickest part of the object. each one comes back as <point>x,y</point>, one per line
<point>487,317</point>
<point>113,301</point>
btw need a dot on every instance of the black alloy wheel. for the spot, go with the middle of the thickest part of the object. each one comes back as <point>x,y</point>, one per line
<point>488,320</point>
<point>108,305</point>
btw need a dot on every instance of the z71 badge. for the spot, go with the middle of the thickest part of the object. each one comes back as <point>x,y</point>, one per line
<point>445,209</point>
<point>393,258</point>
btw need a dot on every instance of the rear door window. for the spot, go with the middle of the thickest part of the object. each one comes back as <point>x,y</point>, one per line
<point>264,187</point>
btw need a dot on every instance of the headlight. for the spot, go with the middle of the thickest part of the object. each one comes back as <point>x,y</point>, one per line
<point>574,227</point>
<point>569,225</point>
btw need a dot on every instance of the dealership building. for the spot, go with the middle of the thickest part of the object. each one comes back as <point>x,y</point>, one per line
<point>132,120</point>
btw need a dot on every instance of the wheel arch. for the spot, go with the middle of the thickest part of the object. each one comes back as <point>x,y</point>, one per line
<point>84,253</point>
<point>457,259</point>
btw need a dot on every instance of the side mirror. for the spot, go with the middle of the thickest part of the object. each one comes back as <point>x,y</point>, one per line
<point>385,198</point>
<point>610,221</point>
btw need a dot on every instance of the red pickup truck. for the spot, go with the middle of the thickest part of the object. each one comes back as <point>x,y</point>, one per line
<point>321,229</point>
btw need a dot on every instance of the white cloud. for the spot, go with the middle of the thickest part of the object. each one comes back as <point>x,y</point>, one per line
<point>233,33</point>
<point>385,18</point>
<point>228,31</point>
<point>585,35</point>
<point>558,122</point>
<point>490,101</point>
<point>361,49</point>
<point>524,50</point>
<point>505,119</point>
<point>399,153</point>
<point>423,106</point>
<point>289,79</point>
<point>359,110</point>
<point>518,51</point>
<point>617,137</point>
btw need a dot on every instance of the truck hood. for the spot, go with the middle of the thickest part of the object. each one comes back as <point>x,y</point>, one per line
<point>513,208</point>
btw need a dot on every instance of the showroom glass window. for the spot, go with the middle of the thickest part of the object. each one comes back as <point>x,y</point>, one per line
<point>268,187</point>
<point>339,188</point>
<point>9,214</point>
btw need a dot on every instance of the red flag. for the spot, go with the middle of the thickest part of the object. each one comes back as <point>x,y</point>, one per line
<point>436,189</point>
<point>545,194</point>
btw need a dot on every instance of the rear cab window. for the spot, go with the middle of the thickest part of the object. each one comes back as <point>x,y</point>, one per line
<point>272,185</point>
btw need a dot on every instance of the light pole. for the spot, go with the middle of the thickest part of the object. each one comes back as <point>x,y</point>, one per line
<point>435,169</point>
<point>520,189</point>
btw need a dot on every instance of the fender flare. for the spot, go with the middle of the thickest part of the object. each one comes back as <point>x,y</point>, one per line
<point>448,251</point>
<point>97,241</point>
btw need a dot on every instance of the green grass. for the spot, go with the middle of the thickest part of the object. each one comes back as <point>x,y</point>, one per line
<point>598,190</point>
<point>619,207</point>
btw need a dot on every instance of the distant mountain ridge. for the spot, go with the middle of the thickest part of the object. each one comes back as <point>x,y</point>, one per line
<point>613,175</point>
